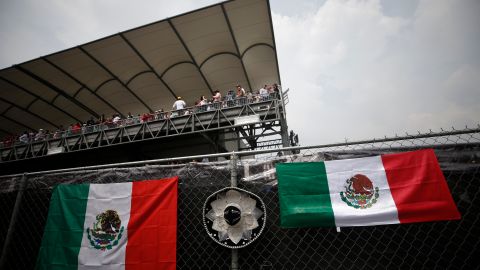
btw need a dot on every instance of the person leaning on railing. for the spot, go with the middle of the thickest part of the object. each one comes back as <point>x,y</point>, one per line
<point>263,92</point>
<point>178,106</point>
<point>240,91</point>
<point>217,97</point>
<point>24,137</point>
<point>232,98</point>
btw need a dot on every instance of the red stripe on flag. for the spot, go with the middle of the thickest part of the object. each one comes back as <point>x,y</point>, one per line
<point>418,187</point>
<point>152,229</point>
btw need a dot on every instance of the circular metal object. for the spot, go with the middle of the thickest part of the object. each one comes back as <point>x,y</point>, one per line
<point>234,217</point>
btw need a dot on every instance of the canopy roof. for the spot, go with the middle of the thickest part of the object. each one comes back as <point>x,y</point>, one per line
<point>143,69</point>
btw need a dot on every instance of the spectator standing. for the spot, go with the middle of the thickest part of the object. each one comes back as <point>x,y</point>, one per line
<point>203,101</point>
<point>178,106</point>
<point>91,121</point>
<point>90,124</point>
<point>145,117</point>
<point>116,119</point>
<point>76,128</point>
<point>263,93</point>
<point>240,91</point>
<point>24,137</point>
<point>240,95</point>
<point>276,90</point>
<point>40,136</point>
<point>217,97</point>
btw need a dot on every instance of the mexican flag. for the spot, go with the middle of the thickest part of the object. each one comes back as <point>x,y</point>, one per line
<point>111,226</point>
<point>388,189</point>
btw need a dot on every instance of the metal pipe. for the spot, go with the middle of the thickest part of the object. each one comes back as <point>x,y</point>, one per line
<point>233,183</point>
<point>13,221</point>
<point>233,169</point>
<point>235,259</point>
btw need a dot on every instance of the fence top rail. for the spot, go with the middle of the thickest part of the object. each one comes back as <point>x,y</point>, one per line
<point>252,152</point>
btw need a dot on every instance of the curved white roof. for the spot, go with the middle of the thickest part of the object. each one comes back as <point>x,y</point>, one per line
<point>143,69</point>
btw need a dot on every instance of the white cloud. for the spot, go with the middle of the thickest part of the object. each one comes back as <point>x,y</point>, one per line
<point>356,73</point>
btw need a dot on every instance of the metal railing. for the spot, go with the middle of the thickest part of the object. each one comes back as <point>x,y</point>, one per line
<point>227,102</point>
<point>209,117</point>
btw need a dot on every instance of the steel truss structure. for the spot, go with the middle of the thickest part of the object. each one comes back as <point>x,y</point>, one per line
<point>266,129</point>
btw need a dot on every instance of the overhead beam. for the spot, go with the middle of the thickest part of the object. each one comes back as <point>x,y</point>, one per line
<point>78,91</point>
<point>82,84</point>
<point>115,77</point>
<point>148,64</point>
<point>218,54</point>
<point>18,123</point>
<point>27,111</point>
<point>255,45</point>
<point>103,83</point>
<point>190,54</point>
<point>56,89</point>
<point>7,109</point>
<point>174,65</point>
<point>236,45</point>
<point>40,98</point>
<point>138,74</point>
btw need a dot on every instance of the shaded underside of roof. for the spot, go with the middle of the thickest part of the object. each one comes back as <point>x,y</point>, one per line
<point>143,69</point>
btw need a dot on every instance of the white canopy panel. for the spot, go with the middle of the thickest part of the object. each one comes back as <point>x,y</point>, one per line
<point>143,69</point>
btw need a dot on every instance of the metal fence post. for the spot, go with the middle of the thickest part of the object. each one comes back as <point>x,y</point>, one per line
<point>233,183</point>
<point>13,221</point>
<point>233,169</point>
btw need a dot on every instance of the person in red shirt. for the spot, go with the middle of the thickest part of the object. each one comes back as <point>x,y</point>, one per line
<point>76,128</point>
<point>145,117</point>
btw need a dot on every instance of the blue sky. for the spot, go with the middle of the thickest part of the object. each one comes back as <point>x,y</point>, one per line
<point>356,69</point>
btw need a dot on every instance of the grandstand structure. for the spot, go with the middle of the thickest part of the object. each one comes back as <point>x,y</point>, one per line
<point>143,71</point>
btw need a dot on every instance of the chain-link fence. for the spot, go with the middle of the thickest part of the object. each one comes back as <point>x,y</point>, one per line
<point>24,201</point>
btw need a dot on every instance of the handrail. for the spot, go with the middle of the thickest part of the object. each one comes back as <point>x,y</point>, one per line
<point>227,102</point>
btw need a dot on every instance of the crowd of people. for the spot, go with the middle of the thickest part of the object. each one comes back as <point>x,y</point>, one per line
<point>231,98</point>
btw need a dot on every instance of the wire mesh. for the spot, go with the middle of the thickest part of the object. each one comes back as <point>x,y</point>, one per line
<point>433,245</point>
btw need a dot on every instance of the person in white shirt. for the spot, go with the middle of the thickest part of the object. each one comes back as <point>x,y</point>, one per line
<point>116,119</point>
<point>40,135</point>
<point>263,92</point>
<point>178,105</point>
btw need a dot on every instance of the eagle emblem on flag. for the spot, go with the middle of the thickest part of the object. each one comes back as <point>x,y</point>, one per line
<point>106,231</point>
<point>359,192</point>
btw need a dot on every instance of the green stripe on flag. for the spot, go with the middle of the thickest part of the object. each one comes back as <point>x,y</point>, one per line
<point>64,229</point>
<point>304,195</point>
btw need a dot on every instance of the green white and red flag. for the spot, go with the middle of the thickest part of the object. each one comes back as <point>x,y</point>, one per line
<point>111,226</point>
<point>388,189</point>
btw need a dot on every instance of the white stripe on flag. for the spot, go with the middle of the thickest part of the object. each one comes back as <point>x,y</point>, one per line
<point>383,211</point>
<point>104,197</point>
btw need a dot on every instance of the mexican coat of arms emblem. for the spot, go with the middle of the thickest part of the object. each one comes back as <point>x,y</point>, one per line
<point>360,192</point>
<point>106,230</point>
